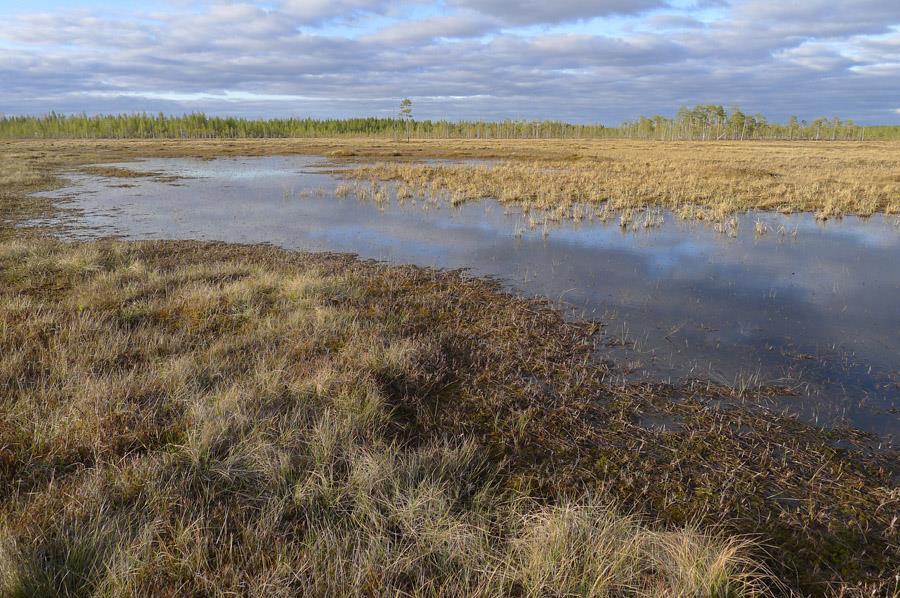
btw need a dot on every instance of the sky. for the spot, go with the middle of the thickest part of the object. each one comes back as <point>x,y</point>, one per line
<point>579,60</point>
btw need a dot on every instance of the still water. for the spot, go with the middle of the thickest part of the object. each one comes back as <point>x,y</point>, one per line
<point>815,307</point>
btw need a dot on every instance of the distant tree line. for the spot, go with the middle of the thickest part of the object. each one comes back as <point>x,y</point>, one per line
<point>200,126</point>
<point>701,123</point>
<point>712,122</point>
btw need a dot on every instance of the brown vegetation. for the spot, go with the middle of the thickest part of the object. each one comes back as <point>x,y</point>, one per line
<point>693,182</point>
<point>116,172</point>
<point>183,417</point>
<point>317,416</point>
<point>697,180</point>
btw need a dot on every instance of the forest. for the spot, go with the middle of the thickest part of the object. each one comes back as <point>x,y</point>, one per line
<point>702,123</point>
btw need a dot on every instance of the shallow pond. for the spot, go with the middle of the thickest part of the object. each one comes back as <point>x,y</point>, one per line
<point>815,307</point>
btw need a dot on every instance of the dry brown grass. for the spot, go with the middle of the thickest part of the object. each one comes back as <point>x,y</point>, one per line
<point>18,178</point>
<point>186,417</point>
<point>117,172</point>
<point>239,423</point>
<point>697,180</point>
<point>703,182</point>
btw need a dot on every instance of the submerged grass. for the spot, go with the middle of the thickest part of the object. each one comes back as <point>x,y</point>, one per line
<point>192,418</point>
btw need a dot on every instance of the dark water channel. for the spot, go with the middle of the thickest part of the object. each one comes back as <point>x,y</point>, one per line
<point>815,306</point>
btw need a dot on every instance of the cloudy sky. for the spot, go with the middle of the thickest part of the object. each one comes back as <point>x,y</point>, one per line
<point>579,60</point>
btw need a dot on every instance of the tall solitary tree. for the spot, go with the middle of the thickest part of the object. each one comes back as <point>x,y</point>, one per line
<point>406,115</point>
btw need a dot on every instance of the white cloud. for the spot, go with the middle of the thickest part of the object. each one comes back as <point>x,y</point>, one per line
<point>526,12</point>
<point>458,58</point>
<point>445,26</point>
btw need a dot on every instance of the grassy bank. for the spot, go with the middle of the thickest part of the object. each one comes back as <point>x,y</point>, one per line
<point>219,418</point>
<point>184,417</point>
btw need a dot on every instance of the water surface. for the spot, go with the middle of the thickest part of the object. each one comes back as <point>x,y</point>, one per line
<point>816,308</point>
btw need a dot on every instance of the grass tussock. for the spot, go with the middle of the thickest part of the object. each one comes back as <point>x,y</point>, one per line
<point>242,424</point>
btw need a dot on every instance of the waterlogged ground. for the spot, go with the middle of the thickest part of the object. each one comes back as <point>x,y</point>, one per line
<point>812,306</point>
